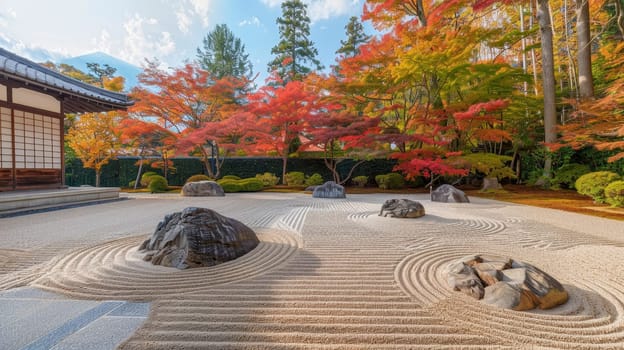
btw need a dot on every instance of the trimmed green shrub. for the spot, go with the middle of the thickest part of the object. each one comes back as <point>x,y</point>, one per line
<point>594,184</point>
<point>197,178</point>
<point>131,184</point>
<point>314,180</point>
<point>614,193</point>
<point>158,184</point>
<point>251,185</point>
<point>295,178</point>
<point>244,185</point>
<point>360,181</point>
<point>146,178</point>
<point>566,176</point>
<point>230,186</point>
<point>268,179</point>
<point>390,181</point>
<point>231,177</point>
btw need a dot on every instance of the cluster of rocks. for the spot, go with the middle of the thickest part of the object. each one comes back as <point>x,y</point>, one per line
<point>202,189</point>
<point>197,237</point>
<point>505,283</point>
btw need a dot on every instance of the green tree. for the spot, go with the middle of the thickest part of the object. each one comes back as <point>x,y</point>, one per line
<point>295,54</point>
<point>100,73</point>
<point>223,55</point>
<point>355,37</point>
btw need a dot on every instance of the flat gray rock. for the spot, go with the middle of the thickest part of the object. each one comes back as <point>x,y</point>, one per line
<point>198,237</point>
<point>202,189</point>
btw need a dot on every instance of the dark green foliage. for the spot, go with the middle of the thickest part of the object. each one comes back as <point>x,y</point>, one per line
<point>594,184</point>
<point>295,54</point>
<point>198,177</point>
<point>241,185</point>
<point>355,37</point>
<point>390,181</point>
<point>566,176</point>
<point>614,193</point>
<point>119,172</point>
<point>146,178</point>
<point>158,184</point>
<point>251,185</point>
<point>231,177</point>
<point>295,178</point>
<point>224,55</point>
<point>268,179</point>
<point>360,181</point>
<point>314,180</point>
<point>229,186</point>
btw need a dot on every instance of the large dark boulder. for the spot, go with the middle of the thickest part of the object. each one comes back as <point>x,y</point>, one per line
<point>402,208</point>
<point>329,189</point>
<point>198,237</point>
<point>202,189</point>
<point>447,193</point>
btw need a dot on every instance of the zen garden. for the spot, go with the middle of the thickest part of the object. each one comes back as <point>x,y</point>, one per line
<point>455,180</point>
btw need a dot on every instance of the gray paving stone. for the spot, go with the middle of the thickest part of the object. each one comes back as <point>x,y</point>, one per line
<point>104,333</point>
<point>56,335</point>
<point>131,309</point>
<point>29,293</point>
<point>39,320</point>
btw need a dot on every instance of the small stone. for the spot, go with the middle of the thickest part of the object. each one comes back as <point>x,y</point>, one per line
<point>329,189</point>
<point>508,296</point>
<point>447,193</point>
<point>462,278</point>
<point>487,273</point>
<point>402,208</point>
<point>202,189</point>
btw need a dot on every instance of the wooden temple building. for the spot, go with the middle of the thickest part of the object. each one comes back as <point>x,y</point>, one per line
<point>33,104</point>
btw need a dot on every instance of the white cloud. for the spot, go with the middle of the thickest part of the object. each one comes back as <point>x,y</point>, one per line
<point>272,3</point>
<point>323,9</point>
<point>203,9</point>
<point>184,20</point>
<point>103,42</point>
<point>143,40</point>
<point>326,9</point>
<point>255,21</point>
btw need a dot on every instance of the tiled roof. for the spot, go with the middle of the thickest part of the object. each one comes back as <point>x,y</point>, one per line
<point>87,98</point>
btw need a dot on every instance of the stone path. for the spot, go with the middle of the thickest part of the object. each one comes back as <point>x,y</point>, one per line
<point>331,274</point>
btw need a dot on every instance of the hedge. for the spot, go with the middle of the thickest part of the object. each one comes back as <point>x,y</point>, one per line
<point>120,172</point>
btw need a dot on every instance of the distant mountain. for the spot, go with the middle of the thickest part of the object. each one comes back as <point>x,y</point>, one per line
<point>125,69</point>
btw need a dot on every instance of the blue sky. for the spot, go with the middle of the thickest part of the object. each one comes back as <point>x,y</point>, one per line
<point>170,31</point>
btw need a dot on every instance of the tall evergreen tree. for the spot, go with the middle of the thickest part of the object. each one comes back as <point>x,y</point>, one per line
<point>355,37</point>
<point>295,54</point>
<point>223,54</point>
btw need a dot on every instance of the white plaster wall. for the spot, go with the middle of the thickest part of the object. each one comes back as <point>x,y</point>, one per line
<point>3,93</point>
<point>36,99</point>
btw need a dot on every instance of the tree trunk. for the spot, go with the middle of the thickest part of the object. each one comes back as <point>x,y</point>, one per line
<point>548,81</point>
<point>98,173</point>
<point>619,15</point>
<point>586,79</point>
<point>284,164</point>
<point>137,180</point>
